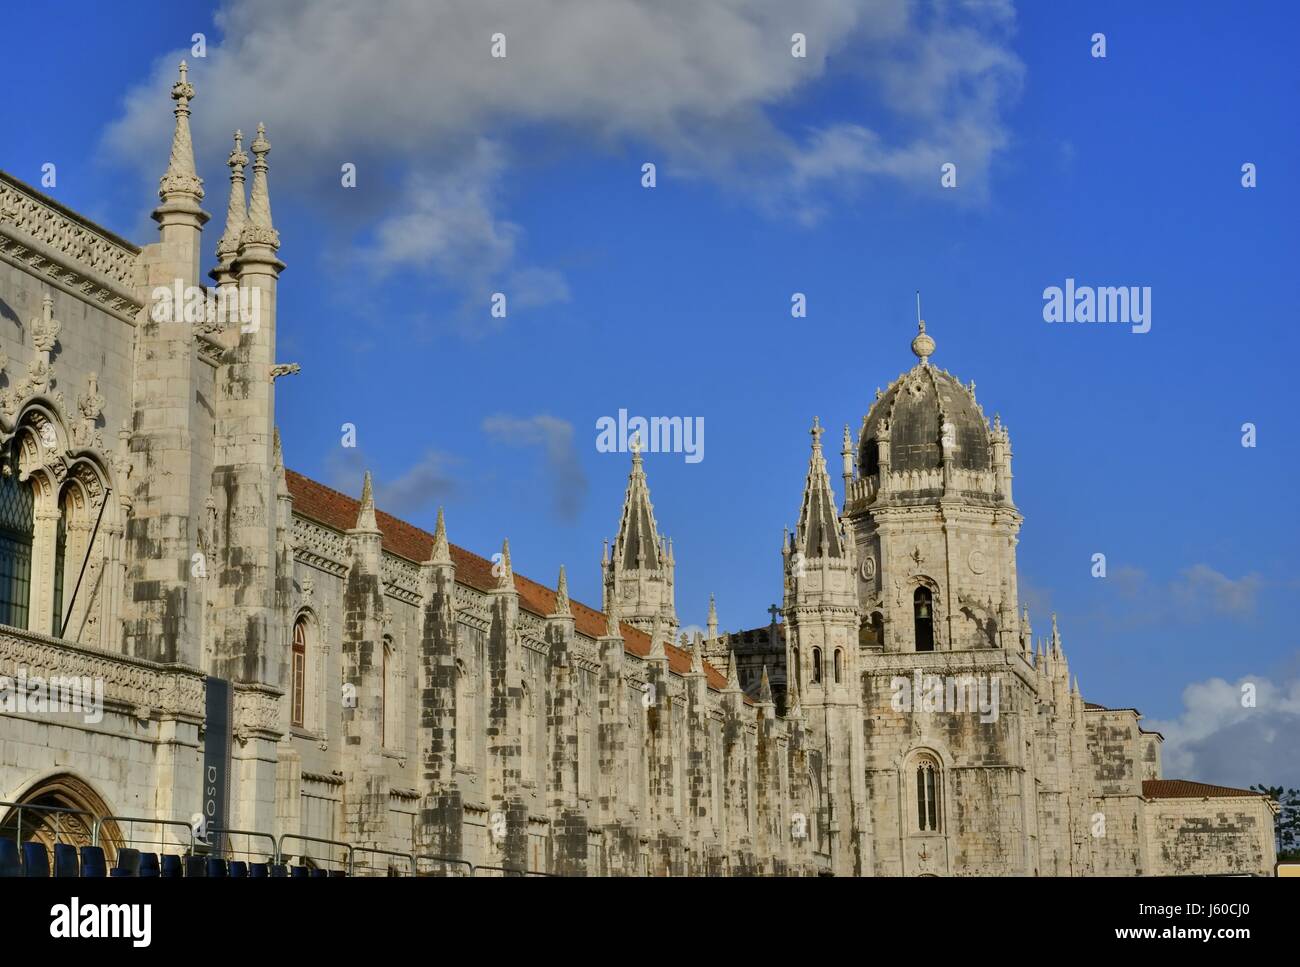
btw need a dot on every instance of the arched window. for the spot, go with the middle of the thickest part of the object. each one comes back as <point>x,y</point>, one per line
<point>923,617</point>
<point>927,795</point>
<point>529,726</point>
<point>390,696</point>
<point>298,674</point>
<point>464,718</point>
<point>817,666</point>
<point>60,561</point>
<point>17,530</point>
<point>839,666</point>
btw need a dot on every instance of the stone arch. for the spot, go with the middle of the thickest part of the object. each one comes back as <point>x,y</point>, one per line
<point>60,791</point>
<point>924,604</point>
<point>71,489</point>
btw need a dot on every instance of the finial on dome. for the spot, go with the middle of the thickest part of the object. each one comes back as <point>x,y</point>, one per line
<point>922,345</point>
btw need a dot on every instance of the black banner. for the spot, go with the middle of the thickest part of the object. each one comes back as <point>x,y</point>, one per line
<point>217,735</point>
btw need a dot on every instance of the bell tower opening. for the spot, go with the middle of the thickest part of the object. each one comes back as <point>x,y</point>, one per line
<point>923,619</point>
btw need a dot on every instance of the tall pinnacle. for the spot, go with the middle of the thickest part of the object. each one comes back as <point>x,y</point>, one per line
<point>697,655</point>
<point>562,593</point>
<point>237,210</point>
<point>505,575</point>
<point>441,553</point>
<point>366,515</point>
<point>259,230</point>
<point>713,617</point>
<point>765,688</point>
<point>180,182</point>
<point>637,544</point>
<point>818,532</point>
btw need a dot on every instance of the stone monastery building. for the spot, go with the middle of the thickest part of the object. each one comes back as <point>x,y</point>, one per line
<point>287,659</point>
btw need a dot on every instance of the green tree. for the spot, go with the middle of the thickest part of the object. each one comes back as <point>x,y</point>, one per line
<point>1287,821</point>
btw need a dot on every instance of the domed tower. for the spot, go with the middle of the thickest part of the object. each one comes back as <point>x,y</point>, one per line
<point>930,513</point>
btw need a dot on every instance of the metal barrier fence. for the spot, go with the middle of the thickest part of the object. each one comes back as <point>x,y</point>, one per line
<point>444,860</point>
<point>126,825</point>
<point>90,820</point>
<point>345,859</point>
<point>228,850</point>
<point>341,864</point>
<point>368,870</point>
<point>511,871</point>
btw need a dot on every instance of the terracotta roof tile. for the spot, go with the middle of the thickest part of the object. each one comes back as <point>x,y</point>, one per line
<point>1185,789</point>
<point>333,509</point>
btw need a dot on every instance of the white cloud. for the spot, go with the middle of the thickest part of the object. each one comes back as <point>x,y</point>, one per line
<point>1216,739</point>
<point>407,89</point>
<point>555,437</point>
<point>420,487</point>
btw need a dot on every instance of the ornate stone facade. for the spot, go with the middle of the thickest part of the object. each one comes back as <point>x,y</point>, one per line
<point>399,693</point>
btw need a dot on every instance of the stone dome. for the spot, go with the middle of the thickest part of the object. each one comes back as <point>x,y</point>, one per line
<point>922,408</point>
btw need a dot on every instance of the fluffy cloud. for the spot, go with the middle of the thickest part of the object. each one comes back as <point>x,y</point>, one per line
<point>420,487</point>
<point>1198,593</point>
<point>555,437</point>
<point>407,89</point>
<point>1216,739</point>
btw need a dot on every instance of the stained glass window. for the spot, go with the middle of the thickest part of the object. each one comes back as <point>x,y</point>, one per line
<point>17,506</point>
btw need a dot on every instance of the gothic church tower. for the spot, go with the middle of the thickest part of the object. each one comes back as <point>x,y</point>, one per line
<point>638,579</point>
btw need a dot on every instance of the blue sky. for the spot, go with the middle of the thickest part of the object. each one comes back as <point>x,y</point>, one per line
<point>775,176</point>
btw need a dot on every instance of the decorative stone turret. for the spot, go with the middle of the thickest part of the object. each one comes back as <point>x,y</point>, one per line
<point>822,620</point>
<point>165,597</point>
<point>640,573</point>
<point>441,807</point>
<point>362,656</point>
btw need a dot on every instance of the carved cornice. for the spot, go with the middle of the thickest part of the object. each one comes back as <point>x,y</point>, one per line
<point>173,691</point>
<point>42,237</point>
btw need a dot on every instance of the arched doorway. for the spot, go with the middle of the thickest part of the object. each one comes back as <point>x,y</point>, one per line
<point>61,809</point>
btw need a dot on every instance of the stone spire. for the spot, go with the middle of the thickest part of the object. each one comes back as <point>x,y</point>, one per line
<point>818,532</point>
<point>366,515</point>
<point>562,593</point>
<point>441,553</point>
<point>846,456</point>
<point>637,545</point>
<point>733,682</point>
<point>793,710</point>
<point>237,209</point>
<point>640,570</point>
<point>1056,638</point>
<point>611,621</point>
<point>657,652</point>
<point>506,577</point>
<point>180,184</point>
<point>259,230</point>
<point>765,688</point>
<point>713,617</point>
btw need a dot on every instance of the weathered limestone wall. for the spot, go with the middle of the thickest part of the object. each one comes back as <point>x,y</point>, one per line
<point>1213,836</point>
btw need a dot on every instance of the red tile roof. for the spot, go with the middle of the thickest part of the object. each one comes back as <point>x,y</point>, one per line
<point>1185,789</point>
<point>327,506</point>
